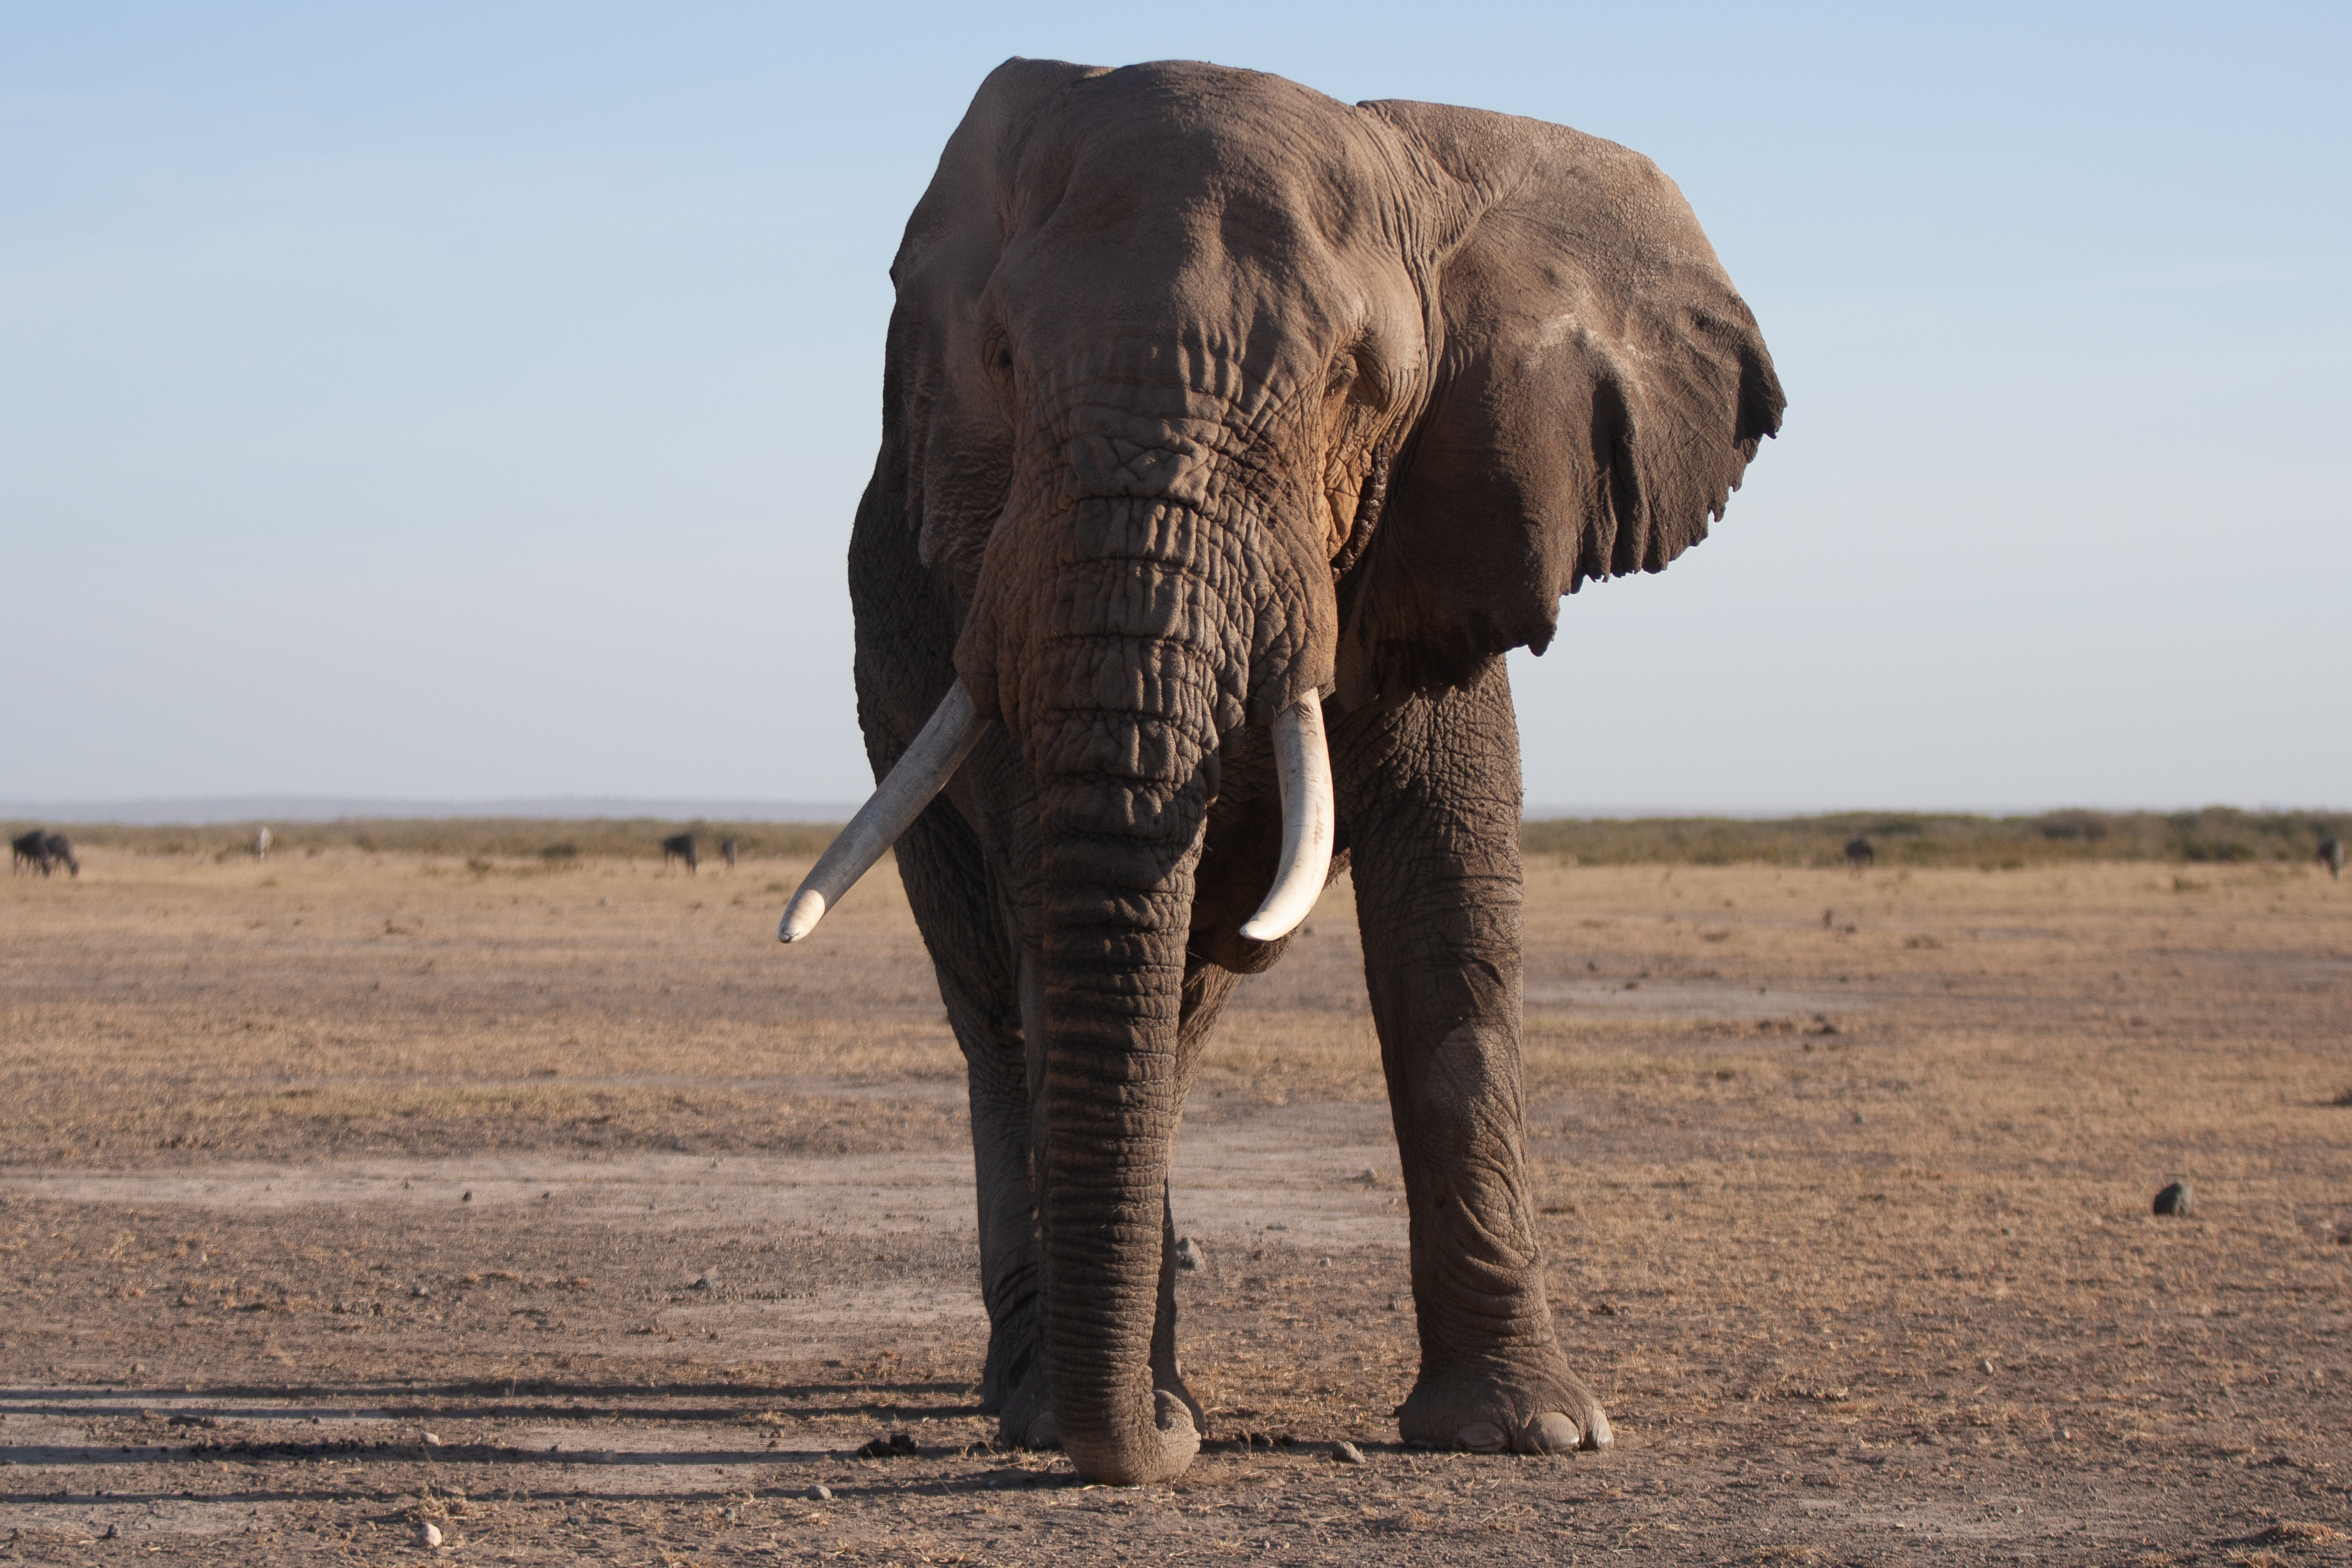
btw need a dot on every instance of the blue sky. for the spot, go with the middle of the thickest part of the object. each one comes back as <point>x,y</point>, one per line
<point>470,400</point>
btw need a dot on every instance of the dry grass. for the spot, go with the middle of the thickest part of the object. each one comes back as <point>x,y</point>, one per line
<point>525,844</point>
<point>2214,836</point>
<point>1843,1183</point>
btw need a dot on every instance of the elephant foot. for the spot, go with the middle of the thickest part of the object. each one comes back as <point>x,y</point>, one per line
<point>1024,1413</point>
<point>1503,1408</point>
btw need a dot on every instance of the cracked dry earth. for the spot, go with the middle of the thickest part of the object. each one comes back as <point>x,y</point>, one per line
<point>562,1211</point>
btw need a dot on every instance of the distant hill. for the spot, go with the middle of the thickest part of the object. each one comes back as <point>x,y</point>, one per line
<point>214,810</point>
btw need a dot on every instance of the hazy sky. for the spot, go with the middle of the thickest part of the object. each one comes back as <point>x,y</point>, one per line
<point>441,400</point>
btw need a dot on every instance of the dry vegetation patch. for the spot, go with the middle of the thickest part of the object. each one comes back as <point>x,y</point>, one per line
<point>1844,1181</point>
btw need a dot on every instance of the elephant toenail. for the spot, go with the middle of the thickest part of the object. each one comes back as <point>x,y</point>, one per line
<point>1597,1435</point>
<point>1481,1438</point>
<point>1551,1433</point>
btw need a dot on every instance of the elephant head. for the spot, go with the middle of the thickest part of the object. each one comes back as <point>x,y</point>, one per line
<point>1206,397</point>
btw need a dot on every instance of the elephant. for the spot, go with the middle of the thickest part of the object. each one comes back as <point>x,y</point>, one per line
<point>1230,436</point>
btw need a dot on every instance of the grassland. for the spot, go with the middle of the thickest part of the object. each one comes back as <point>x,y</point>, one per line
<point>2214,836</point>
<point>1842,1182</point>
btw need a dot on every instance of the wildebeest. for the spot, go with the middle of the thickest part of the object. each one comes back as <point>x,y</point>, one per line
<point>727,852</point>
<point>2331,854</point>
<point>261,844</point>
<point>680,846</point>
<point>1859,854</point>
<point>54,846</point>
<point>28,849</point>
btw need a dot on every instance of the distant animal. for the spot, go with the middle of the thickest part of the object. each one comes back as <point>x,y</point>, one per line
<point>680,846</point>
<point>54,846</point>
<point>1859,854</point>
<point>28,849</point>
<point>261,844</point>
<point>2331,854</point>
<point>727,852</point>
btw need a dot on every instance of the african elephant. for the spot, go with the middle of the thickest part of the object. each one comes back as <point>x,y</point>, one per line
<point>1230,436</point>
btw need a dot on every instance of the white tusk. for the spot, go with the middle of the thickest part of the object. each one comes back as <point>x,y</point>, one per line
<point>922,771</point>
<point>1302,762</point>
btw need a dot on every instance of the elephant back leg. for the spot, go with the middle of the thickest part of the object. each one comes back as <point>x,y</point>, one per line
<point>1429,801</point>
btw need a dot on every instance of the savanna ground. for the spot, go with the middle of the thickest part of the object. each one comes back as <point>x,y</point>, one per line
<point>550,1203</point>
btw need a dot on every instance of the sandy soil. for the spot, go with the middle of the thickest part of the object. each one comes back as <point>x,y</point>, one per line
<point>564,1211</point>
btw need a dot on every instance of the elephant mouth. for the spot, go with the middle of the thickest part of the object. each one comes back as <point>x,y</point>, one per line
<point>1303,765</point>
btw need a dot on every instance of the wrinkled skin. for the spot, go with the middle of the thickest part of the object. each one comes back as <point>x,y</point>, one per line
<point>1206,394</point>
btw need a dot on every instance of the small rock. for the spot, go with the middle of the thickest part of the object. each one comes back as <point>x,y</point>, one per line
<point>1189,1255</point>
<point>428,1534</point>
<point>1985,1365</point>
<point>821,1494</point>
<point>2173,1200</point>
<point>1348,1454</point>
<point>433,1439</point>
<point>708,1281</point>
<point>420,1289</point>
<point>113,1532</point>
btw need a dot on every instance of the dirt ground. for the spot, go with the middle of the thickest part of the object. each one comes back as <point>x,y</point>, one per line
<point>564,1211</point>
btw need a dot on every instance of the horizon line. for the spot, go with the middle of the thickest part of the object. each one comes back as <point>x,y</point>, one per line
<point>211,810</point>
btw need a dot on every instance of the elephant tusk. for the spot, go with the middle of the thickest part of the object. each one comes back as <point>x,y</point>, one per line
<point>922,771</point>
<point>1302,762</point>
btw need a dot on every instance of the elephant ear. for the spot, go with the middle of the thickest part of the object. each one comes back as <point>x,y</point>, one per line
<point>1599,392</point>
<point>944,467</point>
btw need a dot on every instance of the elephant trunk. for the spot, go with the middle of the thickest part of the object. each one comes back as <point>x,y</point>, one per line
<point>1128,661</point>
<point>1112,982</point>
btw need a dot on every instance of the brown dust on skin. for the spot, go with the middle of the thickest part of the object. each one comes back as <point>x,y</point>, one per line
<point>1844,1187</point>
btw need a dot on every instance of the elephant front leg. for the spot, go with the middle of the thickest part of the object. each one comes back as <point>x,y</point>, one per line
<point>1432,809</point>
<point>1013,1379</point>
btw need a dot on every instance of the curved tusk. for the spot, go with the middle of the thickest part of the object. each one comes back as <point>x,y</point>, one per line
<point>922,771</point>
<point>1302,762</point>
